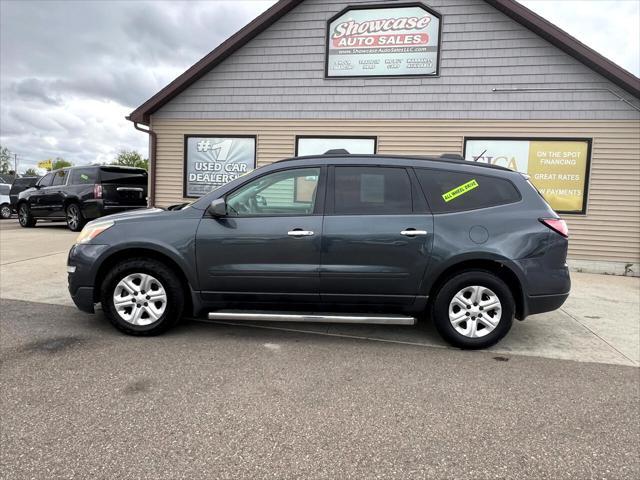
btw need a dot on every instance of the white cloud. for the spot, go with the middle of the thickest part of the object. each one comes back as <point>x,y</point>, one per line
<point>611,27</point>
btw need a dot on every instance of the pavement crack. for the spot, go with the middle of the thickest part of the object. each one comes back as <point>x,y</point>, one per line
<point>33,258</point>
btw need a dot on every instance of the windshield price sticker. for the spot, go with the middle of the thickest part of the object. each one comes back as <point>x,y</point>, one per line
<point>461,190</point>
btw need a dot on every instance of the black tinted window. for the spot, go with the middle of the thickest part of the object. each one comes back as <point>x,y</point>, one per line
<point>46,180</point>
<point>60,177</point>
<point>458,191</point>
<point>21,182</point>
<point>123,175</point>
<point>372,191</point>
<point>81,176</point>
<point>4,189</point>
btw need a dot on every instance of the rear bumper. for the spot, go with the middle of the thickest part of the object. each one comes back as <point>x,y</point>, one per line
<point>98,208</point>
<point>535,304</point>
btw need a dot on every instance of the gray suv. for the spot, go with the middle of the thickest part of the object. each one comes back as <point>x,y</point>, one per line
<point>335,238</point>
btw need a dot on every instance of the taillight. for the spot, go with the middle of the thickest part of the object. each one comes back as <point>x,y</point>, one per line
<point>97,191</point>
<point>557,225</point>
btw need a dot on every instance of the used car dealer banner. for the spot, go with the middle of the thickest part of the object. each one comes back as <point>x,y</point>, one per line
<point>383,42</point>
<point>211,162</point>
<point>559,168</point>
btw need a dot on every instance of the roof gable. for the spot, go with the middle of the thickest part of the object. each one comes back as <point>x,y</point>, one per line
<point>511,8</point>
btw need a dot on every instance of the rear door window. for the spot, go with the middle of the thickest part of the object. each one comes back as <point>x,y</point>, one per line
<point>459,191</point>
<point>4,189</point>
<point>131,176</point>
<point>60,177</point>
<point>372,191</point>
<point>83,176</point>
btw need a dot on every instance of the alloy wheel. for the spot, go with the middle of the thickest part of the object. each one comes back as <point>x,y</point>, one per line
<point>140,299</point>
<point>73,217</point>
<point>23,215</point>
<point>475,311</point>
<point>5,211</point>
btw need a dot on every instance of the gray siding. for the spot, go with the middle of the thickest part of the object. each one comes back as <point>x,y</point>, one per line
<point>280,74</point>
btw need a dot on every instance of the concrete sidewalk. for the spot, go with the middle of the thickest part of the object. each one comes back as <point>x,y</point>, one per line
<point>600,322</point>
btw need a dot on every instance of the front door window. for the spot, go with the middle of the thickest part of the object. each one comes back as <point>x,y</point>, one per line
<point>289,192</point>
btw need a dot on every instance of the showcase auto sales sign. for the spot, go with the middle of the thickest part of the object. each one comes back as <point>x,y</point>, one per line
<point>383,42</point>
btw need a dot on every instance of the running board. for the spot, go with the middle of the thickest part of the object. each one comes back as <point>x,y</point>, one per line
<point>312,318</point>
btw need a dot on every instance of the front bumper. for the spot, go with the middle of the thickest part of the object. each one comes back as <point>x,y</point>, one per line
<point>83,298</point>
<point>82,271</point>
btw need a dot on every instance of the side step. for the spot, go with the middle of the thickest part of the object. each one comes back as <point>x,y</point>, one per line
<point>381,319</point>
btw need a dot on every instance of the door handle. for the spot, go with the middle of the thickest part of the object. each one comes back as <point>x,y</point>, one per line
<point>299,233</point>
<point>410,232</point>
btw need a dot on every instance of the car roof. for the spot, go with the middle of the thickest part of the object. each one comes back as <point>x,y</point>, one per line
<point>411,160</point>
<point>116,167</point>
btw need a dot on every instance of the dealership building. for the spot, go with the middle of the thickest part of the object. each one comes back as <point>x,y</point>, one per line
<point>486,79</point>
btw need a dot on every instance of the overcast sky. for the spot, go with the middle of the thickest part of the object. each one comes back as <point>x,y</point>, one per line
<point>70,71</point>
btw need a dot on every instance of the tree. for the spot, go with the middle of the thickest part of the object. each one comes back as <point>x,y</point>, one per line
<point>31,172</point>
<point>131,158</point>
<point>5,159</point>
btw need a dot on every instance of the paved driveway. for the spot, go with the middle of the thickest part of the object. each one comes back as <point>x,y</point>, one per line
<point>599,322</point>
<point>79,400</point>
<point>215,400</point>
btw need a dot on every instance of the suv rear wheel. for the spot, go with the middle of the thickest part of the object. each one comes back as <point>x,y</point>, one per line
<point>473,309</point>
<point>142,297</point>
<point>25,217</point>
<point>75,219</point>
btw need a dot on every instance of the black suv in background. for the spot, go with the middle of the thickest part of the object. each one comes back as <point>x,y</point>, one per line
<point>20,185</point>
<point>78,194</point>
<point>356,239</point>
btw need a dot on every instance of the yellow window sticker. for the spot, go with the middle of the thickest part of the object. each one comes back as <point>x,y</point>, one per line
<point>461,190</point>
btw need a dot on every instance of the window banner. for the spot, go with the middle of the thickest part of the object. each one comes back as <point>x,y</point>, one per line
<point>212,161</point>
<point>558,167</point>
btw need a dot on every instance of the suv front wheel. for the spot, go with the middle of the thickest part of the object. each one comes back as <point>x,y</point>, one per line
<point>142,296</point>
<point>25,217</point>
<point>473,309</point>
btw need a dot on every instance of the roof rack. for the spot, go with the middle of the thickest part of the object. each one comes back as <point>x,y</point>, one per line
<point>446,158</point>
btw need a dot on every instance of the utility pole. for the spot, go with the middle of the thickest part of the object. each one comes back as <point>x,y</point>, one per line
<point>15,164</point>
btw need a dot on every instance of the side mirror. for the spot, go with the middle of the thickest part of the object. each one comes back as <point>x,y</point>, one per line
<point>218,208</point>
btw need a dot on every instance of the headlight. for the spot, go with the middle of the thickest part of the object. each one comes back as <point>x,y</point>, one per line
<point>92,230</point>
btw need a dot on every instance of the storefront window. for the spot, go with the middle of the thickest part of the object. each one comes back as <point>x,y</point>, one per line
<point>321,145</point>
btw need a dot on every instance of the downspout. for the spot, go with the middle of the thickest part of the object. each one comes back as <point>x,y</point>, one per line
<point>151,196</point>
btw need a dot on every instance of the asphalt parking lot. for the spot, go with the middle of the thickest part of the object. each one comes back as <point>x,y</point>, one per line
<point>558,398</point>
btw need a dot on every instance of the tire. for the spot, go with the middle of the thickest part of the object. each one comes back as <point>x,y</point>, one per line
<point>25,217</point>
<point>137,275</point>
<point>75,219</point>
<point>475,324</point>
<point>5,211</point>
